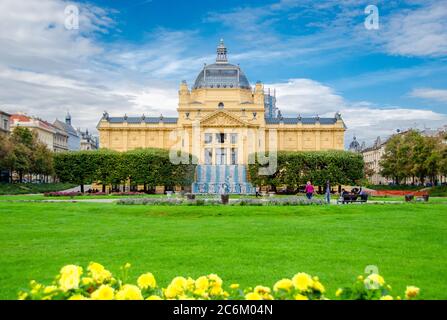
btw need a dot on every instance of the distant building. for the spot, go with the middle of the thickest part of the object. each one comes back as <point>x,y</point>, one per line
<point>55,139</point>
<point>372,157</point>
<point>355,146</point>
<point>88,141</point>
<point>74,138</point>
<point>374,154</point>
<point>4,122</point>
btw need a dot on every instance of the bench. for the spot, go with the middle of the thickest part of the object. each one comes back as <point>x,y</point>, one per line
<point>353,198</point>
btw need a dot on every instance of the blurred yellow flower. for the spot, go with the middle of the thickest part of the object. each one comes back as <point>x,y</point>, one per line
<point>104,292</point>
<point>69,277</point>
<point>283,284</point>
<point>49,289</point>
<point>202,283</point>
<point>373,281</point>
<point>302,281</point>
<point>98,272</point>
<point>234,286</point>
<point>338,292</point>
<point>153,297</point>
<point>411,292</point>
<point>146,281</point>
<point>129,292</point>
<point>301,297</point>
<point>253,296</point>
<point>318,286</point>
<point>387,297</point>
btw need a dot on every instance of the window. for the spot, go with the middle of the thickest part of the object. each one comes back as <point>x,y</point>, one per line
<point>208,156</point>
<point>221,137</point>
<point>221,156</point>
<point>233,138</point>
<point>5,124</point>
<point>208,138</point>
<point>221,105</point>
<point>233,156</point>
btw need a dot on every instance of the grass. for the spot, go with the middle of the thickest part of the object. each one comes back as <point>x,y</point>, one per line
<point>249,245</point>
<point>29,188</point>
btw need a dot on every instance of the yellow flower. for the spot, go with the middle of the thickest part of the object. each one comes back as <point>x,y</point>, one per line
<point>360,278</point>
<point>338,292</point>
<point>69,277</point>
<point>104,292</point>
<point>49,289</point>
<point>146,280</point>
<point>202,283</point>
<point>318,286</point>
<point>253,296</point>
<point>23,295</point>
<point>387,297</point>
<point>374,281</point>
<point>99,273</point>
<point>411,292</point>
<point>261,290</point>
<point>302,281</point>
<point>127,265</point>
<point>216,290</point>
<point>129,292</point>
<point>283,284</point>
<point>214,278</point>
<point>78,297</point>
<point>301,297</point>
<point>153,297</point>
<point>86,281</point>
<point>234,286</point>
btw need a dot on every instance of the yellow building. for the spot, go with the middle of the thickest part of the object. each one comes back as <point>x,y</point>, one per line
<point>221,120</point>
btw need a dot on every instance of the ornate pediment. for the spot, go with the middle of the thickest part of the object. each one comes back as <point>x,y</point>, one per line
<point>222,119</point>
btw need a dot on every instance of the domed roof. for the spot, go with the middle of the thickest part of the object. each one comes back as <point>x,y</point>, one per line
<point>221,74</point>
<point>354,145</point>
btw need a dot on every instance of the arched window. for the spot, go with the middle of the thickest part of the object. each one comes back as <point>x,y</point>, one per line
<point>221,105</point>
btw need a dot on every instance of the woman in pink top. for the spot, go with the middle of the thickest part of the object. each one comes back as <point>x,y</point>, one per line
<point>309,190</point>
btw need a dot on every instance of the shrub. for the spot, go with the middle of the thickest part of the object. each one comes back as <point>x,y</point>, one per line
<point>294,169</point>
<point>97,283</point>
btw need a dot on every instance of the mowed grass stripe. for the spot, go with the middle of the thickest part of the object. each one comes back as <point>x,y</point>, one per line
<point>248,245</point>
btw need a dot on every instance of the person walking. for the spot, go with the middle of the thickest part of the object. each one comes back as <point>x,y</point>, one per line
<point>309,190</point>
<point>328,192</point>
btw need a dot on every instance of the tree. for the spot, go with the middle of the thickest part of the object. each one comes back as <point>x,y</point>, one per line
<point>294,169</point>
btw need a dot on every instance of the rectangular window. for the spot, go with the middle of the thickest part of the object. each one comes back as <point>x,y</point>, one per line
<point>233,138</point>
<point>208,138</point>
<point>233,156</point>
<point>221,137</point>
<point>208,156</point>
<point>5,124</point>
<point>221,156</point>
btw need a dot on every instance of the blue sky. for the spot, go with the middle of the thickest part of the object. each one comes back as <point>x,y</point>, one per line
<point>130,56</point>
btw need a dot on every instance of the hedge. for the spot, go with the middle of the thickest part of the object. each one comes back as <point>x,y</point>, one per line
<point>148,167</point>
<point>294,169</point>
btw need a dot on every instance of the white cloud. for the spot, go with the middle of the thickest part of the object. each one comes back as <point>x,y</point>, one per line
<point>419,32</point>
<point>430,93</point>
<point>363,119</point>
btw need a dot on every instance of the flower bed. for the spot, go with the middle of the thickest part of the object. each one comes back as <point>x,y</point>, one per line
<point>97,283</point>
<point>62,194</point>
<point>289,201</point>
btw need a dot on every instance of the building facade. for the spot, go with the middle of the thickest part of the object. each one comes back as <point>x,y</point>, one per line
<point>4,122</point>
<point>55,139</point>
<point>88,141</point>
<point>372,157</point>
<point>74,139</point>
<point>221,120</point>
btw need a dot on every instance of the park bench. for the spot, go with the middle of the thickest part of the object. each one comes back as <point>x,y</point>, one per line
<point>353,198</point>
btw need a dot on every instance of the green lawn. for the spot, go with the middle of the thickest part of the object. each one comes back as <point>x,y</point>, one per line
<point>249,245</point>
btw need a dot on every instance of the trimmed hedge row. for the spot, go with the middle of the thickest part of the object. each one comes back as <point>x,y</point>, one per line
<point>294,169</point>
<point>149,167</point>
